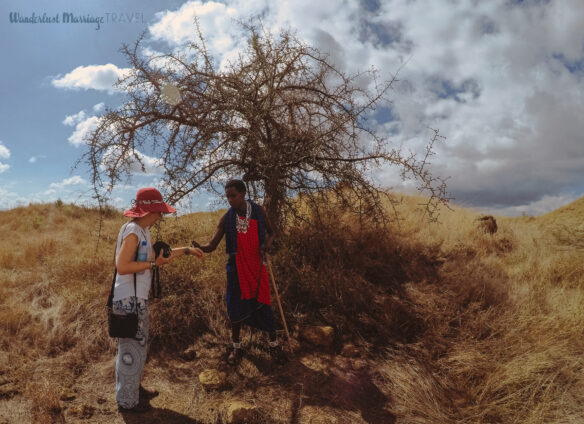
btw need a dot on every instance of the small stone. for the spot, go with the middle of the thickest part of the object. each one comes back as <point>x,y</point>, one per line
<point>314,363</point>
<point>82,411</point>
<point>359,364</point>
<point>241,412</point>
<point>68,395</point>
<point>350,351</point>
<point>212,379</point>
<point>318,335</point>
<point>189,354</point>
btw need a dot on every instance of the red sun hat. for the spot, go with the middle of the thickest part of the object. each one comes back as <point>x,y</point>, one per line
<point>148,200</point>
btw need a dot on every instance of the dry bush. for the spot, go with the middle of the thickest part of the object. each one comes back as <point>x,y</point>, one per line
<point>417,394</point>
<point>352,279</point>
<point>46,407</point>
<point>512,345</point>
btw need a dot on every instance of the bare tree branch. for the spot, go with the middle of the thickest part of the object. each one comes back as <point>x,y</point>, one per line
<point>281,115</point>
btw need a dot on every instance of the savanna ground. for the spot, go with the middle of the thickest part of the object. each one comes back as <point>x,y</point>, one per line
<point>450,324</point>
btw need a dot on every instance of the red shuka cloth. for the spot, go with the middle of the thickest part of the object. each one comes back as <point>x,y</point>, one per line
<point>248,262</point>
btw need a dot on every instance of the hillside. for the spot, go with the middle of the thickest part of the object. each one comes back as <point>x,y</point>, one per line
<point>433,323</point>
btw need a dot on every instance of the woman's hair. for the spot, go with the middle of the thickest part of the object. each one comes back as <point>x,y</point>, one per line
<point>236,184</point>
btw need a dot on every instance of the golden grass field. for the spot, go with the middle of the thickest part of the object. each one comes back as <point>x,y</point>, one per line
<point>451,325</point>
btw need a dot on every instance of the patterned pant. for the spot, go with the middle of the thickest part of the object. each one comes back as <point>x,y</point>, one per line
<point>131,353</point>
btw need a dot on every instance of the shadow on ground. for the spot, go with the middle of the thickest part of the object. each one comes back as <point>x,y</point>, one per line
<point>334,386</point>
<point>158,416</point>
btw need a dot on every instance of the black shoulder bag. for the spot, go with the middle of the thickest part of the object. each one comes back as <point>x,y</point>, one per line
<point>124,326</point>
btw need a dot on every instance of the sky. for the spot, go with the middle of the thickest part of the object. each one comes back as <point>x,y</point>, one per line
<point>502,81</point>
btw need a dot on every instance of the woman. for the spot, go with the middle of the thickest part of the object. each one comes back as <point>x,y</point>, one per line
<point>135,258</point>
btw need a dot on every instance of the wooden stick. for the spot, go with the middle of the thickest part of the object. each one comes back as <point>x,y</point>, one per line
<point>279,304</point>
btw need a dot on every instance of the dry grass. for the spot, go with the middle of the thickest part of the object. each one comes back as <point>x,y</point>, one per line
<point>453,325</point>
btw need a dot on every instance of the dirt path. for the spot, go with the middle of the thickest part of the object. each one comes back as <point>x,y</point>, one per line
<point>313,387</point>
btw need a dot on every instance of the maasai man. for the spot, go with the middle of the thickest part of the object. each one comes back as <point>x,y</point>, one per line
<point>248,235</point>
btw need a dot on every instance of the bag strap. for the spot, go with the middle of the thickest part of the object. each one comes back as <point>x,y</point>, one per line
<point>155,286</point>
<point>111,295</point>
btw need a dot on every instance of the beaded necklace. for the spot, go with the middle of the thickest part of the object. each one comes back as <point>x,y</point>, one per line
<point>243,224</point>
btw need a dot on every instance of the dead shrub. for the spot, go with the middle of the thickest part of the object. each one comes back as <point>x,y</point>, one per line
<point>46,407</point>
<point>192,302</point>
<point>351,279</point>
<point>488,224</point>
<point>417,395</point>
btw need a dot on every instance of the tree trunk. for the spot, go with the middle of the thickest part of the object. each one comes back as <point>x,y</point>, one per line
<point>274,196</point>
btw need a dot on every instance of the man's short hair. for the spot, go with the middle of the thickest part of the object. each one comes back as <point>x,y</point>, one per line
<point>236,184</point>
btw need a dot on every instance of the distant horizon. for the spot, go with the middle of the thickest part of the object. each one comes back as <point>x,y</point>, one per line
<point>121,209</point>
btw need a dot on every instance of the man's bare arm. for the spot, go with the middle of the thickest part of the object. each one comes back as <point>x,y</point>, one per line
<point>212,245</point>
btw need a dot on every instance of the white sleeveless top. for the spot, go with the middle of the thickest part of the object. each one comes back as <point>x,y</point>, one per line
<point>124,286</point>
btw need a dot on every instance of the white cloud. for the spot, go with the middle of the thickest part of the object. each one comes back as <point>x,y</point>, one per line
<point>177,27</point>
<point>99,107</point>
<point>34,159</point>
<point>71,120</point>
<point>4,152</point>
<point>75,180</point>
<point>10,199</point>
<point>216,21</point>
<point>488,75</point>
<point>97,77</point>
<point>82,129</point>
<point>83,124</point>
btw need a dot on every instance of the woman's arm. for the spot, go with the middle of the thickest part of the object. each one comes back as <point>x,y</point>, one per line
<point>212,245</point>
<point>125,260</point>
<point>192,251</point>
<point>181,251</point>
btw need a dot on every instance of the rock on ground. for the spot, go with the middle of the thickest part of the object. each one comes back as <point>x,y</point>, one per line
<point>212,379</point>
<point>318,335</point>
